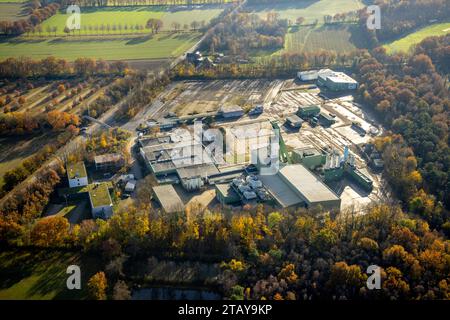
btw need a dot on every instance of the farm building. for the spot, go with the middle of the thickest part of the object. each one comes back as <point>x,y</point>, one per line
<point>168,198</point>
<point>225,194</point>
<point>109,161</point>
<point>233,111</point>
<point>100,199</point>
<point>294,186</point>
<point>77,175</point>
<point>309,157</point>
<point>336,81</point>
<point>308,111</point>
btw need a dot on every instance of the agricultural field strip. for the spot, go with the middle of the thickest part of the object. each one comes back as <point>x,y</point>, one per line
<point>308,9</point>
<point>92,19</point>
<point>11,11</point>
<point>156,47</point>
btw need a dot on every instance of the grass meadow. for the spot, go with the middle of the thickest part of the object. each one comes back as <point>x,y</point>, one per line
<point>405,44</point>
<point>108,48</point>
<point>127,17</point>
<point>41,275</point>
<point>10,11</point>
<point>311,10</point>
<point>338,38</point>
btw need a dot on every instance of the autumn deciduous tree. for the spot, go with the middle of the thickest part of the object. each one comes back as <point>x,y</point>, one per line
<point>59,120</point>
<point>50,232</point>
<point>394,284</point>
<point>288,273</point>
<point>97,286</point>
<point>121,291</point>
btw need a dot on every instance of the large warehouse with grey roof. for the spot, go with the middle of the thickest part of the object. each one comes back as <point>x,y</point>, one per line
<point>294,185</point>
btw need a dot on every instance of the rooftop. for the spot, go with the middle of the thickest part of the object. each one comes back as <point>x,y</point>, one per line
<point>307,152</point>
<point>99,195</point>
<point>168,198</point>
<point>226,190</point>
<point>146,141</point>
<point>294,119</point>
<point>231,108</point>
<point>108,158</point>
<point>307,184</point>
<point>281,191</point>
<point>76,170</point>
<point>336,76</point>
<point>308,72</point>
<point>294,185</point>
<point>309,107</point>
<point>200,170</point>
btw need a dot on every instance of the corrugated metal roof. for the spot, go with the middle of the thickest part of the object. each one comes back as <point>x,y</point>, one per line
<point>280,191</point>
<point>168,198</point>
<point>307,184</point>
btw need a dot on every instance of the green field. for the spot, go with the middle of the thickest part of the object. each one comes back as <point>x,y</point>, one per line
<point>338,38</point>
<point>13,151</point>
<point>404,44</point>
<point>308,9</point>
<point>145,47</point>
<point>10,11</point>
<point>129,16</point>
<point>41,275</point>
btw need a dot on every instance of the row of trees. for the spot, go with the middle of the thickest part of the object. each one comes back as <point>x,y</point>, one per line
<point>155,25</point>
<point>18,174</point>
<point>24,206</point>
<point>19,123</point>
<point>18,27</point>
<point>54,67</point>
<point>145,90</point>
<point>284,65</point>
<point>119,3</point>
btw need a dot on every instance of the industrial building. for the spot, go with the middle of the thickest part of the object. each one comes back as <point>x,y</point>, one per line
<point>308,111</point>
<point>336,81</point>
<point>194,177</point>
<point>256,110</point>
<point>100,200</point>
<point>337,166</point>
<point>308,75</point>
<point>168,198</point>
<point>232,111</point>
<point>309,157</point>
<point>225,194</point>
<point>294,121</point>
<point>326,120</point>
<point>109,161</point>
<point>77,175</point>
<point>185,162</point>
<point>294,186</point>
